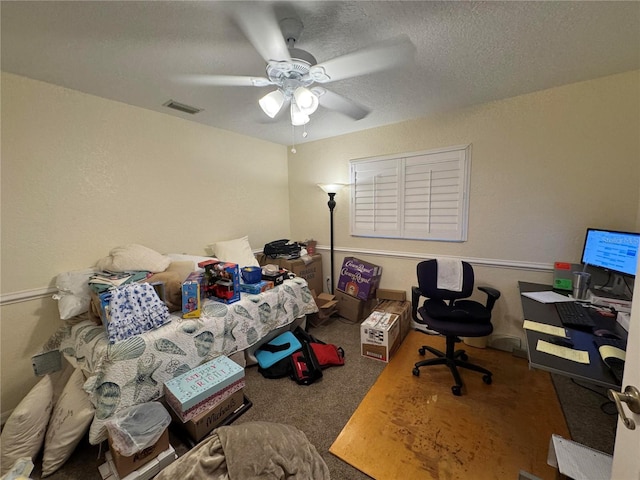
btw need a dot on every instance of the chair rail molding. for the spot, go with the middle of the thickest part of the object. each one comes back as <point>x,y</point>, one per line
<point>36,293</point>
<point>26,295</point>
<point>487,262</point>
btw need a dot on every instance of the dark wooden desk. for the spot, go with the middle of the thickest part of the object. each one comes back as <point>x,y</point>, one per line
<point>596,371</point>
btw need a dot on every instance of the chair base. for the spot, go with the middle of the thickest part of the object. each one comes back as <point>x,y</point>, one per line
<point>453,359</point>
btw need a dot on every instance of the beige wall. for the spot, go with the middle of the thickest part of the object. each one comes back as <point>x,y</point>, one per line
<point>545,166</point>
<point>81,175</point>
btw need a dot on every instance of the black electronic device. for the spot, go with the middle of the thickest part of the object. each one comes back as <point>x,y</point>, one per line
<point>574,315</point>
<point>603,332</point>
<point>614,252</point>
<point>561,342</point>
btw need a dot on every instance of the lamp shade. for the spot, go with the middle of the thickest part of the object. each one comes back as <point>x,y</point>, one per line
<point>306,100</point>
<point>331,187</point>
<point>298,118</point>
<point>272,102</point>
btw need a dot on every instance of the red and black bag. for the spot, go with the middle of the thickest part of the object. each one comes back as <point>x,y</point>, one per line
<point>305,366</point>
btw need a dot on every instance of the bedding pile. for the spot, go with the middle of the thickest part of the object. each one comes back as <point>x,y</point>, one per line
<point>133,371</point>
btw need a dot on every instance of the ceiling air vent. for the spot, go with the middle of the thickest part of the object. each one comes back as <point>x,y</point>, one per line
<point>182,107</point>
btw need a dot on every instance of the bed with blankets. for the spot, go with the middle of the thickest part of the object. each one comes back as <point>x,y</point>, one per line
<point>133,371</point>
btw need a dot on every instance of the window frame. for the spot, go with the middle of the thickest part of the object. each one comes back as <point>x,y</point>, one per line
<point>376,207</point>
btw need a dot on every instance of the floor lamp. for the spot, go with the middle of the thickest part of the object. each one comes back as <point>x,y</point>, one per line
<point>331,189</point>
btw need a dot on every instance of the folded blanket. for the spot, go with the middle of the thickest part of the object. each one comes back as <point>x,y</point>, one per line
<point>449,274</point>
<point>251,451</point>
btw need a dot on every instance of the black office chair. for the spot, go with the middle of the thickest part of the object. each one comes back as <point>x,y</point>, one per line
<point>448,313</point>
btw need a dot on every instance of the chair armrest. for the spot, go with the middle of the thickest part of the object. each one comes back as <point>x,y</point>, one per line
<point>492,296</point>
<point>415,303</point>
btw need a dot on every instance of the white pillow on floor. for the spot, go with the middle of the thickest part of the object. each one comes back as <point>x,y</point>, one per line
<point>69,421</point>
<point>24,431</point>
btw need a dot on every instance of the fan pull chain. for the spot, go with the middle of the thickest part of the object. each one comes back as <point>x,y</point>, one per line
<point>293,136</point>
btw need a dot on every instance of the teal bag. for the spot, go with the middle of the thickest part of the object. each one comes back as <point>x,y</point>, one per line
<point>275,350</point>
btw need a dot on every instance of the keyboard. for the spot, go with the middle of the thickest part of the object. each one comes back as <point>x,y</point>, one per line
<point>574,315</point>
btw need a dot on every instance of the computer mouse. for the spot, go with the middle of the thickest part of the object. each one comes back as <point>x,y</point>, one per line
<point>561,342</point>
<point>603,332</point>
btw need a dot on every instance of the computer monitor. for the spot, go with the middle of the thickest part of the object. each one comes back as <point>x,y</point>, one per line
<point>613,251</point>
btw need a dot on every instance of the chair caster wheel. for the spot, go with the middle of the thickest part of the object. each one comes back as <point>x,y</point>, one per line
<point>416,371</point>
<point>487,379</point>
<point>421,351</point>
<point>457,390</point>
<point>464,357</point>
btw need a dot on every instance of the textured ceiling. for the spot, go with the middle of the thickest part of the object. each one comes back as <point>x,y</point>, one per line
<point>466,53</point>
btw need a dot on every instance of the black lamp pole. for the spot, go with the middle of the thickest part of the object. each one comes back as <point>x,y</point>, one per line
<point>332,205</point>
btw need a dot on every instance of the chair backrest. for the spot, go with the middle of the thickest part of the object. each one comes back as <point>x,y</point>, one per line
<point>427,271</point>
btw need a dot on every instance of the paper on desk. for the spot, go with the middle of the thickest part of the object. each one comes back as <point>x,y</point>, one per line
<point>578,461</point>
<point>547,296</point>
<point>544,328</point>
<point>579,356</point>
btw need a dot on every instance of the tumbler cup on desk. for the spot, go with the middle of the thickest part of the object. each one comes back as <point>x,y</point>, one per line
<point>581,285</point>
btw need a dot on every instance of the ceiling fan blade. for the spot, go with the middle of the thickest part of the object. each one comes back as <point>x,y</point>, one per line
<point>333,101</point>
<point>259,24</point>
<point>223,80</point>
<point>379,56</point>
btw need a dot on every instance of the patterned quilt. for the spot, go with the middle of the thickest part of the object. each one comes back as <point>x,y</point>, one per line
<point>134,371</point>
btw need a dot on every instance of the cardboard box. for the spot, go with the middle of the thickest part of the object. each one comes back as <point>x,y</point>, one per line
<point>207,404</point>
<point>192,295</point>
<point>145,472</point>
<point>311,272</point>
<point>387,294</point>
<point>352,308</point>
<point>327,306</point>
<point>256,288</point>
<point>200,383</point>
<point>221,280</point>
<point>400,308</point>
<point>201,425</point>
<point>358,278</point>
<point>380,335</point>
<point>125,465</point>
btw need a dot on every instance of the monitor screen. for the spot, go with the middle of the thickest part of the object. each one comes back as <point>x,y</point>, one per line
<point>611,250</point>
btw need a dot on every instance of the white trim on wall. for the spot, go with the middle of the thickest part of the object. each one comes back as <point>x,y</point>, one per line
<point>487,262</point>
<point>28,295</point>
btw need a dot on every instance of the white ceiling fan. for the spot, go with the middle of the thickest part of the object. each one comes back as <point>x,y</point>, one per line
<point>295,73</point>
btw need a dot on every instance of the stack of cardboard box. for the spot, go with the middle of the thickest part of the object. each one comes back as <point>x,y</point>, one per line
<point>383,331</point>
<point>204,397</point>
<point>356,288</point>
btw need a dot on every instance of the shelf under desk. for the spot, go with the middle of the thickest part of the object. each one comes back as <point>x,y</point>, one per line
<point>596,372</point>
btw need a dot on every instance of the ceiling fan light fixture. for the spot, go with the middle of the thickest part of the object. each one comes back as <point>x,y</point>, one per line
<point>298,118</point>
<point>272,102</point>
<point>306,101</point>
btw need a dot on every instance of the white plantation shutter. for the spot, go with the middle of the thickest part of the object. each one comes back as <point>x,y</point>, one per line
<point>421,195</point>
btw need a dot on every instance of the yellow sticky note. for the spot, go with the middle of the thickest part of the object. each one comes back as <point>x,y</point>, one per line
<point>544,328</point>
<point>579,356</point>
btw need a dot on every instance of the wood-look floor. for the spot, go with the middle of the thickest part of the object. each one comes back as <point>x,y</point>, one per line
<point>414,428</point>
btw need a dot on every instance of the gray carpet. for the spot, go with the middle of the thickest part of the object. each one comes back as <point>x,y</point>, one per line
<point>321,410</point>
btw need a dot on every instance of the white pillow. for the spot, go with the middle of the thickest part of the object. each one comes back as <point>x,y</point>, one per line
<point>74,293</point>
<point>24,432</point>
<point>235,251</point>
<point>69,422</point>
<point>134,257</point>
